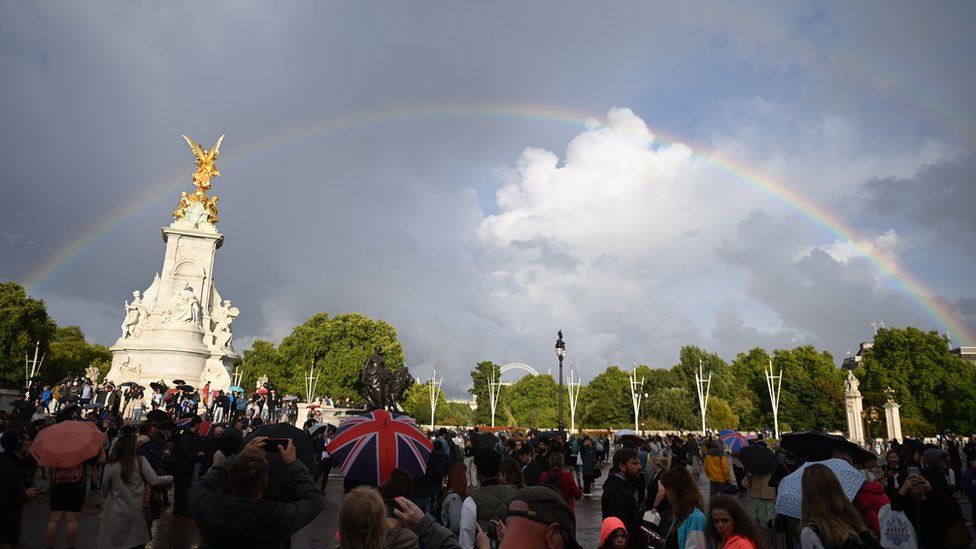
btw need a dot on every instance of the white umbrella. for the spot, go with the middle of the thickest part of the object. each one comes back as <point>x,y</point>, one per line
<point>789,497</point>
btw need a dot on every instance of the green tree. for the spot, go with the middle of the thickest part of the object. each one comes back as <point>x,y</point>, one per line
<point>23,322</point>
<point>931,384</point>
<point>532,402</point>
<point>71,354</point>
<point>416,403</point>
<point>719,415</point>
<point>262,359</point>
<point>813,389</point>
<point>605,401</point>
<point>751,401</point>
<point>479,389</point>
<point>339,346</point>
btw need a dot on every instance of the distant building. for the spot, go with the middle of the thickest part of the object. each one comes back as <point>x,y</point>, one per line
<point>470,403</point>
<point>852,362</point>
<point>966,353</point>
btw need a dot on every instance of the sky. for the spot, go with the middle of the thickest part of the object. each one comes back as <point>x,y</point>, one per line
<point>642,176</point>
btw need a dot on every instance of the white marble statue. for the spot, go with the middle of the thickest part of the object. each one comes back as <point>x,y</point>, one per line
<point>184,307</point>
<point>223,316</point>
<point>852,385</point>
<point>135,314</point>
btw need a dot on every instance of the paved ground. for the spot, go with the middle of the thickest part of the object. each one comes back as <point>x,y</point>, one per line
<point>173,532</point>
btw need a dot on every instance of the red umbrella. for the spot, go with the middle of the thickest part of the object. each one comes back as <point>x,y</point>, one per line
<point>369,447</point>
<point>262,391</point>
<point>67,444</point>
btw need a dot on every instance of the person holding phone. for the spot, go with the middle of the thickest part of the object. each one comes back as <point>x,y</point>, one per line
<point>929,511</point>
<point>229,506</point>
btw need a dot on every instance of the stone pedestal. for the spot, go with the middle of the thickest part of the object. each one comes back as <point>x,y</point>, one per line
<point>893,421</point>
<point>179,328</point>
<point>852,396</point>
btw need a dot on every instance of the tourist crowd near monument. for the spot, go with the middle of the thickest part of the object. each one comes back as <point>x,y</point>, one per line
<point>186,443</point>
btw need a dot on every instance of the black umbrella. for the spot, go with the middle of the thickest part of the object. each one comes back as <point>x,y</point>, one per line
<point>269,385</point>
<point>279,479</point>
<point>19,403</point>
<point>157,416</point>
<point>485,440</point>
<point>757,459</point>
<point>184,387</point>
<point>94,405</point>
<point>818,446</point>
<point>158,387</point>
<point>130,384</point>
<point>178,382</point>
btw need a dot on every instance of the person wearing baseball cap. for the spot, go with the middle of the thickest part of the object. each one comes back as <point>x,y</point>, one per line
<point>539,517</point>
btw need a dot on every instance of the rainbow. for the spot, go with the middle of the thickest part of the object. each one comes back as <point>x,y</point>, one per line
<point>167,191</point>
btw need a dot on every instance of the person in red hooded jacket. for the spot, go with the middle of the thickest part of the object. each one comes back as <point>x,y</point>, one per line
<point>869,501</point>
<point>561,479</point>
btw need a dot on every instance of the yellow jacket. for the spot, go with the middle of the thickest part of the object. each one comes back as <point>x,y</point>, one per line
<point>717,468</point>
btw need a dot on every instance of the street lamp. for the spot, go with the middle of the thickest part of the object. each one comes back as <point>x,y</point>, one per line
<point>560,353</point>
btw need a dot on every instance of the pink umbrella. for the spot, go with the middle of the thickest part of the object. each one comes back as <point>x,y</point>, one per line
<point>67,444</point>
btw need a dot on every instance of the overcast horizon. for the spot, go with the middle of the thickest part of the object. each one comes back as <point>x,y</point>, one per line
<point>481,176</point>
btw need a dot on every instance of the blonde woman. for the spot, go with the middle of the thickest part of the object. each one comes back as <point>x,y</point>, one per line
<point>362,520</point>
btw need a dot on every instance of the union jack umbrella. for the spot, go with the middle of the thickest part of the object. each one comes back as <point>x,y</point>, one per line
<point>369,447</point>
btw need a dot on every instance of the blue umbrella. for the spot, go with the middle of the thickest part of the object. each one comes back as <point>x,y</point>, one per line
<point>733,440</point>
<point>235,389</point>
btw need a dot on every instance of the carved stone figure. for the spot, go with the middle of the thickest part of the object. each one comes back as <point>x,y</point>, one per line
<point>135,315</point>
<point>130,369</point>
<point>92,372</point>
<point>890,394</point>
<point>382,388</point>
<point>852,385</point>
<point>223,316</point>
<point>183,307</point>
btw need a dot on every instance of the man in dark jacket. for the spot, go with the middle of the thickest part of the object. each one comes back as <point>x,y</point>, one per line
<point>530,468</point>
<point>229,508</point>
<point>186,454</point>
<point>17,470</point>
<point>618,498</point>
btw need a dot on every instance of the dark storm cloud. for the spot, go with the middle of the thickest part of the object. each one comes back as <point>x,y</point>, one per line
<point>938,200</point>
<point>387,217</point>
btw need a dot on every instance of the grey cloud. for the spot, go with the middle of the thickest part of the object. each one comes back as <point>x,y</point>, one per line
<point>938,200</point>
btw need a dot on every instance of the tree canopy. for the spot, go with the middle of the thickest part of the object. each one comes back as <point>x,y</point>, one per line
<point>338,346</point>
<point>24,321</point>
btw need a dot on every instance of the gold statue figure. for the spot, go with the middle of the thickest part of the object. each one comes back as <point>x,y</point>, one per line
<point>206,170</point>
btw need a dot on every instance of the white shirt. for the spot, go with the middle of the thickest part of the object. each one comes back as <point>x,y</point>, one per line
<point>469,524</point>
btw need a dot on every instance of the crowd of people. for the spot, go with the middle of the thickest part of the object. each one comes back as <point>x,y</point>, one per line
<point>245,486</point>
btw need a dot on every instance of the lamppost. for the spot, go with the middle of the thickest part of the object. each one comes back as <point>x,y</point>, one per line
<point>636,391</point>
<point>702,384</point>
<point>574,389</point>
<point>774,383</point>
<point>434,386</point>
<point>560,353</point>
<point>494,387</point>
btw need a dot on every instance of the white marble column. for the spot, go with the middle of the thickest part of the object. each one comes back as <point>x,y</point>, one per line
<point>852,396</point>
<point>893,421</point>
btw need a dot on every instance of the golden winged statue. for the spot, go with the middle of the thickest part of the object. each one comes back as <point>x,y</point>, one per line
<point>206,170</point>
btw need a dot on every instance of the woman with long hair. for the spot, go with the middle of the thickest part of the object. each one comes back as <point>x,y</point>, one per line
<point>453,496</point>
<point>730,527</point>
<point>558,477</point>
<point>829,520</point>
<point>362,520</point>
<point>124,523</point>
<point>510,473</point>
<point>687,530</point>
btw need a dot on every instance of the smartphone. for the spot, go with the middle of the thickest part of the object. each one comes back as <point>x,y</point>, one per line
<point>275,445</point>
<point>914,471</point>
